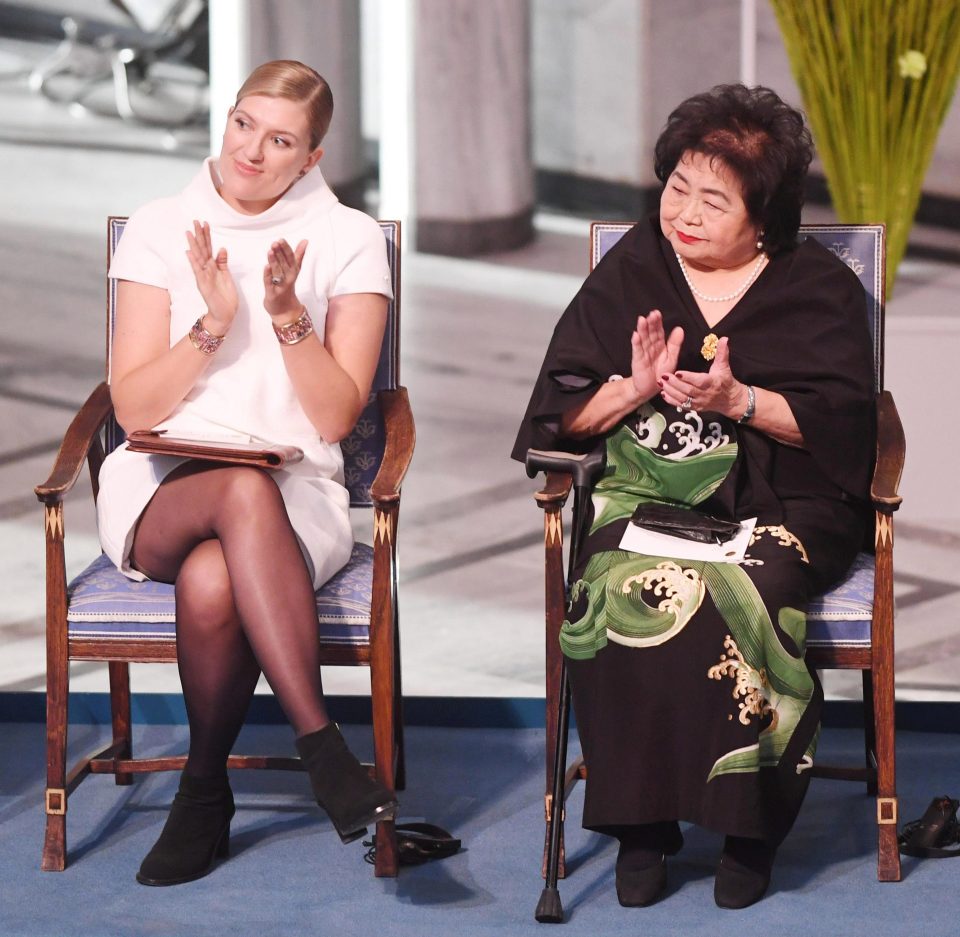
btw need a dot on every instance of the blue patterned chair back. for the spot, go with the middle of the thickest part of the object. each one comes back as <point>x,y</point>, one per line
<point>859,246</point>
<point>363,448</point>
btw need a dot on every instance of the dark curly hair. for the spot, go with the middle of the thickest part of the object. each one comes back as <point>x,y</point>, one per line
<point>761,139</point>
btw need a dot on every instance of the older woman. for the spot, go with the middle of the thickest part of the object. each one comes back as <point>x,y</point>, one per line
<point>226,329</point>
<point>726,368</point>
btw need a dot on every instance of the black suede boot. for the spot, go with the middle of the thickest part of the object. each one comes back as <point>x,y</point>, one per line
<point>342,785</point>
<point>196,834</point>
<point>641,862</point>
<point>743,875</point>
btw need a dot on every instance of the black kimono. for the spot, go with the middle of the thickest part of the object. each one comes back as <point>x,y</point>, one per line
<point>692,696</point>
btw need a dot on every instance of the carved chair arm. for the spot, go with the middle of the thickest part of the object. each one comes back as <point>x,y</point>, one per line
<point>398,451</point>
<point>891,451</point>
<point>77,441</point>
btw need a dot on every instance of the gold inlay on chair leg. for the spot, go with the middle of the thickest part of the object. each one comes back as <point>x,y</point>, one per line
<point>886,810</point>
<point>56,801</point>
<point>53,521</point>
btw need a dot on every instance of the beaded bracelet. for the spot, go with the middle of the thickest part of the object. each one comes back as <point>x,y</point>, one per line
<point>295,331</point>
<point>203,340</point>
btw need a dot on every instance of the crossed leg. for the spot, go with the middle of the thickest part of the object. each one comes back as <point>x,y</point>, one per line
<point>245,602</point>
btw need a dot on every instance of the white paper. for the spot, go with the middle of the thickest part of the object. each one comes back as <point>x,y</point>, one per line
<point>640,540</point>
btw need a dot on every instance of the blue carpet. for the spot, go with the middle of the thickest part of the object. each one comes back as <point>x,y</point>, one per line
<point>289,875</point>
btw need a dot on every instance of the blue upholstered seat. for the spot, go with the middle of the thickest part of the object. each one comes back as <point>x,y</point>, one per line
<point>106,604</point>
<point>842,617</point>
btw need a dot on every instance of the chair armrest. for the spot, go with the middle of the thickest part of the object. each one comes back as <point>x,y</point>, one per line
<point>76,445</point>
<point>398,451</point>
<point>891,451</point>
<point>555,492</point>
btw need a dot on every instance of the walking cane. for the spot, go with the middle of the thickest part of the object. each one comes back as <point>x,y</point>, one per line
<point>584,468</point>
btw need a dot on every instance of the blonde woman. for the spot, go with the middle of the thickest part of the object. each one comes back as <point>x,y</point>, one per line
<point>252,305</point>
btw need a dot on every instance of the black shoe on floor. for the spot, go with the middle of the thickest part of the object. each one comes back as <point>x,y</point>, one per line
<point>743,875</point>
<point>196,834</point>
<point>641,873</point>
<point>342,786</point>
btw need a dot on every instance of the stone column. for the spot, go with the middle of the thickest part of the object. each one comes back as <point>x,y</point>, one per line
<point>325,36</point>
<point>606,75</point>
<point>473,182</point>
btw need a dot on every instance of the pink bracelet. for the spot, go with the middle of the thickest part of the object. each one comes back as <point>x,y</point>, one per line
<point>203,340</point>
<point>295,331</point>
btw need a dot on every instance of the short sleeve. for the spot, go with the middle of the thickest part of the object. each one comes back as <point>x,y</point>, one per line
<point>361,251</point>
<point>138,256</point>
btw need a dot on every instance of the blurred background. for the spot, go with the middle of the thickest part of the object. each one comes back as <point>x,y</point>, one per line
<point>494,130</point>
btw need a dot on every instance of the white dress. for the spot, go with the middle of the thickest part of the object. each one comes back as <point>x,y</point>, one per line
<point>245,393</point>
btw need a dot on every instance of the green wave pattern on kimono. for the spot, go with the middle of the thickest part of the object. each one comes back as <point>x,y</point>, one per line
<point>613,583</point>
<point>635,473</point>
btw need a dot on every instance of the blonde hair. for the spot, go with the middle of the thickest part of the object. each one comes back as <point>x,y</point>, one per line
<point>295,81</point>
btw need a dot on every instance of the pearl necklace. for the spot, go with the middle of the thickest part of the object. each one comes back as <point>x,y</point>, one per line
<point>757,267</point>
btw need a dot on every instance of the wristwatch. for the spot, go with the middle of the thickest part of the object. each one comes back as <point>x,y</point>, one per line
<point>751,405</point>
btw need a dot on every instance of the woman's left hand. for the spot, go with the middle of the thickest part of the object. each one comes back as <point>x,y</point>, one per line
<point>717,390</point>
<point>280,280</point>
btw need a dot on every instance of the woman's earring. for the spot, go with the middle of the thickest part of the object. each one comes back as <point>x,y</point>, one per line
<point>760,240</point>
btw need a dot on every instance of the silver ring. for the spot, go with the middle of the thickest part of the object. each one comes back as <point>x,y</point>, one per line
<point>687,404</point>
<point>276,281</point>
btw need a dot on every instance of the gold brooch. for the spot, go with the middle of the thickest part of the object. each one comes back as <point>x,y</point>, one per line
<point>709,350</point>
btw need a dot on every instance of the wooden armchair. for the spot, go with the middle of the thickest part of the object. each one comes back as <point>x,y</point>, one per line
<point>850,627</point>
<point>103,616</point>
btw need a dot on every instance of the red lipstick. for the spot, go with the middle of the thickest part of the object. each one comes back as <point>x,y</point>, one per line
<point>688,239</point>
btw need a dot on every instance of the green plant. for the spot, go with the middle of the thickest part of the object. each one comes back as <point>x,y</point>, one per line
<point>877,77</point>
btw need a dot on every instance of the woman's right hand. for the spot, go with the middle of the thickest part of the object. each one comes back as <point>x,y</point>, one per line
<point>214,280</point>
<point>653,354</point>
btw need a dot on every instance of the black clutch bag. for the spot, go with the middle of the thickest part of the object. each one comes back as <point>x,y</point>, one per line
<point>683,522</point>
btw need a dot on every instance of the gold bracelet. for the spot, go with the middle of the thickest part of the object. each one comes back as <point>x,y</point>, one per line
<point>296,331</point>
<point>203,340</point>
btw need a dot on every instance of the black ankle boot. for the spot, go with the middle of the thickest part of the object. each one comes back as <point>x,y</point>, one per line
<point>641,874</point>
<point>196,834</point>
<point>743,875</point>
<point>342,785</point>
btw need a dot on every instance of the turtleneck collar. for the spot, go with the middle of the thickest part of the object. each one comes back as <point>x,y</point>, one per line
<point>307,196</point>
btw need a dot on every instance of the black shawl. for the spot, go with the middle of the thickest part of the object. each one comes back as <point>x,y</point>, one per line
<point>800,330</point>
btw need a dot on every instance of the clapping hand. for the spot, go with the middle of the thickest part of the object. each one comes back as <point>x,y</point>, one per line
<point>280,280</point>
<point>214,280</point>
<point>717,390</point>
<point>653,354</point>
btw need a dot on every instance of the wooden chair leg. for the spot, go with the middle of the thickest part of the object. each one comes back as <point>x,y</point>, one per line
<point>387,857</point>
<point>888,851</point>
<point>400,773</point>
<point>869,732</point>
<point>54,858</point>
<point>383,688</point>
<point>120,714</point>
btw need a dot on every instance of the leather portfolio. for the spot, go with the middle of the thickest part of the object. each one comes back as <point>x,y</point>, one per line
<point>157,442</point>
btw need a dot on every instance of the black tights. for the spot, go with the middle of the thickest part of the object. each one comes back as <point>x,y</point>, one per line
<point>245,602</point>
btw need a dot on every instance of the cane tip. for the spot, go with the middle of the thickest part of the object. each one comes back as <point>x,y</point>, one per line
<point>549,909</point>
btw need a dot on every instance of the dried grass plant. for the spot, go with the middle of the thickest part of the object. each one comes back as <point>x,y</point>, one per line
<point>877,78</point>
